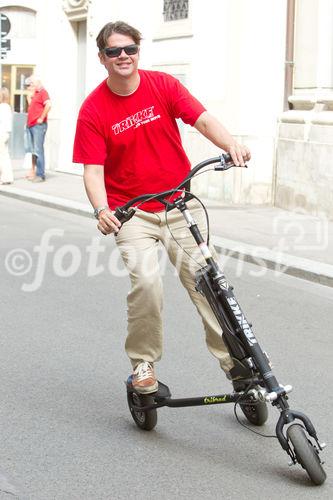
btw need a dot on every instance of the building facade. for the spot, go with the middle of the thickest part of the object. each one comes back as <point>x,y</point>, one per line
<point>263,67</point>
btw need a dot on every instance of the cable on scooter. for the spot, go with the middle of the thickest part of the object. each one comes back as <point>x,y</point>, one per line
<point>207,226</point>
<point>237,403</point>
<point>204,209</point>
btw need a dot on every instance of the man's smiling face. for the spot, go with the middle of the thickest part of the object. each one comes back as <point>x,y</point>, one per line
<point>124,65</point>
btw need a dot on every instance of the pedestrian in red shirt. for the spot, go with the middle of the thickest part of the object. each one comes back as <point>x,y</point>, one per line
<point>39,105</point>
<point>128,140</point>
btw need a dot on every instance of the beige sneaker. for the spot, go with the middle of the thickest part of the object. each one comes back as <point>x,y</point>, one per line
<point>144,380</point>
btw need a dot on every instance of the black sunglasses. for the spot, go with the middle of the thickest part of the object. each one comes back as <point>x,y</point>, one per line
<point>130,50</point>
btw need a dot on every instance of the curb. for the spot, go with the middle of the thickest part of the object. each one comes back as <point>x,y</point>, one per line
<point>281,263</point>
<point>47,200</point>
<point>261,256</point>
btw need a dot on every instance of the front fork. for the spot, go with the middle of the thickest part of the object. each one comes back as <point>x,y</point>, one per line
<point>288,416</point>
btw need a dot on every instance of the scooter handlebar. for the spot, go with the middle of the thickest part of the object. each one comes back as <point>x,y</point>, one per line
<point>125,212</point>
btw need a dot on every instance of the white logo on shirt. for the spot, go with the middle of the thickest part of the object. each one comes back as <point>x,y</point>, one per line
<point>140,118</point>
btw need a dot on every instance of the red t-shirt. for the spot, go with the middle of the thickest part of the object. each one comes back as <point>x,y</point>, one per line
<point>136,137</point>
<point>36,106</point>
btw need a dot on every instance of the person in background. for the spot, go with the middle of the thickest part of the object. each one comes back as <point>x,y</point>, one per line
<point>5,130</point>
<point>39,105</point>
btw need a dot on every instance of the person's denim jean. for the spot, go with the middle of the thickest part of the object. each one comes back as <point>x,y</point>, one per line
<point>36,137</point>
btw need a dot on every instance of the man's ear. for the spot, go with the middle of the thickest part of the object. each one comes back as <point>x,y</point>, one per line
<point>101,58</point>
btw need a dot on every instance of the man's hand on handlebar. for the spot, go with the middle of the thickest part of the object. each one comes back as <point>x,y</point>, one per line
<point>239,154</point>
<point>107,222</point>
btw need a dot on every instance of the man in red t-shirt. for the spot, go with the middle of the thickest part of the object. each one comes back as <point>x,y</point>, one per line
<point>39,105</point>
<point>128,140</point>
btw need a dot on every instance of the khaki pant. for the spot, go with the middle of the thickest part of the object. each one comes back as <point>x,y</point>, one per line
<point>138,242</point>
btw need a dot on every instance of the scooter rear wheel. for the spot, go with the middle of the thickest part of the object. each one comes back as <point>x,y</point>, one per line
<point>146,420</point>
<point>306,453</point>
<point>256,413</point>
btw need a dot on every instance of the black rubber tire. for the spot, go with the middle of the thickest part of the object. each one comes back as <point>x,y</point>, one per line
<point>146,420</point>
<point>306,454</point>
<point>256,413</point>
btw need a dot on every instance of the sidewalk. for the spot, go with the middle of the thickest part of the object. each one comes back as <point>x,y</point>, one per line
<point>290,242</point>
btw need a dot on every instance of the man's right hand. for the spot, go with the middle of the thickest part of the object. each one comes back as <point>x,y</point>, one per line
<point>107,222</point>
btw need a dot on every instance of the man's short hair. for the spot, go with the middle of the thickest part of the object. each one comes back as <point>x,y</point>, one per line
<point>117,27</point>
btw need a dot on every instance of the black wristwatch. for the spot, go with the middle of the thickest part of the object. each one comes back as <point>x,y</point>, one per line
<point>98,210</point>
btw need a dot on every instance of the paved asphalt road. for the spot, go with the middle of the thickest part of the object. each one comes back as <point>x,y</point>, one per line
<point>66,432</point>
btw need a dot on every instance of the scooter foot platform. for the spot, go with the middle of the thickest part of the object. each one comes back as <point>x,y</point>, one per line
<point>162,392</point>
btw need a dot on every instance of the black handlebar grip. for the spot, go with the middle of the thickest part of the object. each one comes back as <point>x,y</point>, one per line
<point>124,215</point>
<point>225,163</point>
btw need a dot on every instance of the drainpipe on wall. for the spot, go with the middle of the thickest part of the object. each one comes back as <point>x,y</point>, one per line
<point>289,62</point>
<point>288,84</point>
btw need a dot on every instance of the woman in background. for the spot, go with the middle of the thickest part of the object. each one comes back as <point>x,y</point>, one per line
<point>5,130</point>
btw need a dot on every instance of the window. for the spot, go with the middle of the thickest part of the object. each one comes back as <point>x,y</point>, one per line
<point>22,20</point>
<point>13,78</point>
<point>174,10</point>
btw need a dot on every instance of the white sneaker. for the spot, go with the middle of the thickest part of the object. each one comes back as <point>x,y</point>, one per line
<point>144,380</point>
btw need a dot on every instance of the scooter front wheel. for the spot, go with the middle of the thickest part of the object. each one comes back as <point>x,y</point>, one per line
<point>306,454</point>
<point>146,420</point>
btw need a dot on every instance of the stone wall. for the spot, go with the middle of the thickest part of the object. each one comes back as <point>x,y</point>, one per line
<point>304,160</point>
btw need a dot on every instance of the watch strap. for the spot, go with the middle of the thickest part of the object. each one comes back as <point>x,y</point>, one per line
<point>98,210</point>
